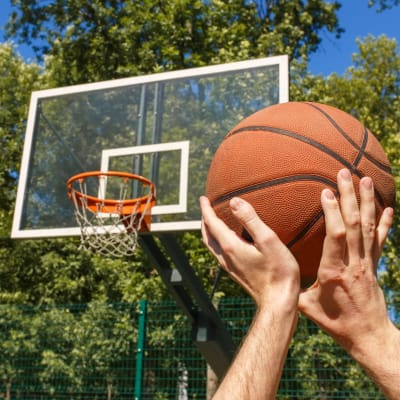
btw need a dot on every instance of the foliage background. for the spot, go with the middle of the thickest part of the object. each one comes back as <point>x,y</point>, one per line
<point>87,41</point>
<point>89,352</point>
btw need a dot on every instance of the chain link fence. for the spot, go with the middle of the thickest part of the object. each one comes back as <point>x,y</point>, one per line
<point>144,351</point>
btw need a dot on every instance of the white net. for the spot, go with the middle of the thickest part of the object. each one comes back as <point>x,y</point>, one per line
<point>110,230</point>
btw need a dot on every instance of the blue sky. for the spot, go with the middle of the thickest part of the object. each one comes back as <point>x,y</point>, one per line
<point>334,55</point>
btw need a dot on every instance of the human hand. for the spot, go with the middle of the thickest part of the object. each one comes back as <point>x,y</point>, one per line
<point>346,300</point>
<point>270,274</point>
<point>266,269</point>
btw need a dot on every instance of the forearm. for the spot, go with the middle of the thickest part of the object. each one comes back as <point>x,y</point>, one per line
<point>257,369</point>
<point>380,358</point>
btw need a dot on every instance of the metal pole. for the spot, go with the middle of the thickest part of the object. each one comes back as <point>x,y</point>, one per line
<point>209,333</point>
<point>140,139</point>
<point>140,349</point>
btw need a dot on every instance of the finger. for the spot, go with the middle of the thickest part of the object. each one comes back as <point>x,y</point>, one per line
<point>335,239</point>
<point>218,237</point>
<point>210,241</point>
<point>350,213</point>
<point>211,228</point>
<point>368,216</point>
<point>383,228</point>
<point>212,225</point>
<point>263,236</point>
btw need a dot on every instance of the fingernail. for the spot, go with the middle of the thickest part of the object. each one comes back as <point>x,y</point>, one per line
<point>389,211</point>
<point>345,174</point>
<point>236,203</point>
<point>367,183</point>
<point>329,194</point>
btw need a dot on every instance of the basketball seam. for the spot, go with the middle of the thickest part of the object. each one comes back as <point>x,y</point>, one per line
<point>361,150</point>
<point>301,138</point>
<point>306,229</point>
<point>275,182</point>
<point>314,143</point>
<point>384,167</point>
<point>311,142</point>
<point>335,125</point>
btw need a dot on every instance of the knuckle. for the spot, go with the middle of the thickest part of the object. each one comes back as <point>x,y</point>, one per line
<point>333,274</point>
<point>338,233</point>
<point>354,220</point>
<point>247,216</point>
<point>369,229</point>
<point>245,213</point>
<point>267,238</point>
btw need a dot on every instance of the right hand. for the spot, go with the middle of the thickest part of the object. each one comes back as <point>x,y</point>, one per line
<point>346,300</point>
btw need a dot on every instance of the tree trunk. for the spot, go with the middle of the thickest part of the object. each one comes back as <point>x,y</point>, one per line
<point>8,391</point>
<point>109,391</point>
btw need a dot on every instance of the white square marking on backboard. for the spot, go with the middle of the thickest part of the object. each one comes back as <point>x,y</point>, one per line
<point>183,146</point>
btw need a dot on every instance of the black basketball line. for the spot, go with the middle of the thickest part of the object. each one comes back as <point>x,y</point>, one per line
<point>274,182</point>
<point>301,138</point>
<point>370,158</point>
<point>335,125</point>
<point>309,141</point>
<point>361,152</point>
<point>277,182</point>
<point>245,235</point>
<point>384,167</point>
<point>305,230</point>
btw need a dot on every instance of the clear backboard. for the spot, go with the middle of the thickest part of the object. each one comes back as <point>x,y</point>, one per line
<point>164,127</point>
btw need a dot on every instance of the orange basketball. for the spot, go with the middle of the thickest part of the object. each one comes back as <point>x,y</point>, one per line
<point>281,158</point>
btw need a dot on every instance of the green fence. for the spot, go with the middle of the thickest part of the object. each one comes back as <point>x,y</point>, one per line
<point>144,351</point>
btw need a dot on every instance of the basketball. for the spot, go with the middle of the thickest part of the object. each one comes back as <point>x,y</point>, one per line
<point>280,159</point>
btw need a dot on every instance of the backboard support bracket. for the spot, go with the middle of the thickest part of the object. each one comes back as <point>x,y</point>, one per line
<point>209,333</point>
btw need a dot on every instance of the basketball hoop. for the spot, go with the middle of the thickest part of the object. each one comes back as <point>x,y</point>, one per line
<point>111,208</point>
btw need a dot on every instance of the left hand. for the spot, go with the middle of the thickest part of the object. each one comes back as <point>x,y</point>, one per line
<point>266,269</point>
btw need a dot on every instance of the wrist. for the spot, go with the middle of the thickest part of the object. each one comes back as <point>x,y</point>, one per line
<point>377,348</point>
<point>283,296</point>
<point>380,358</point>
<point>280,301</point>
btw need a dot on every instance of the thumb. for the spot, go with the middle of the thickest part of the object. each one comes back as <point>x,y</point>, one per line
<point>261,233</point>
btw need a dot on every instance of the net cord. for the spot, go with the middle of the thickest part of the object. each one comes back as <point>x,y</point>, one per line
<point>110,234</point>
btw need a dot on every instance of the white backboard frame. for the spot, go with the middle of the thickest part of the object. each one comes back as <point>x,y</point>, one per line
<point>17,232</point>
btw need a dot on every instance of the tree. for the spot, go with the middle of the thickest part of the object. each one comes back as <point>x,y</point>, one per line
<point>108,39</point>
<point>16,344</point>
<point>89,41</point>
<point>17,80</point>
<point>105,39</point>
<point>53,328</point>
<point>383,4</point>
<point>104,338</point>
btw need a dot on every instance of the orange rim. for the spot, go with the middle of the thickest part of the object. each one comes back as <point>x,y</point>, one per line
<point>124,207</point>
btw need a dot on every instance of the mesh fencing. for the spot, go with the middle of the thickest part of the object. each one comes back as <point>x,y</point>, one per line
<point>145,351</point>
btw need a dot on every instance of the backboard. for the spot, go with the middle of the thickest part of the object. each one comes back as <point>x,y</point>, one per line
<point>165,127</point>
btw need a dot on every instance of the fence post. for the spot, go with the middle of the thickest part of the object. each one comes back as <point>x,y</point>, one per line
<point>140,349</point>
